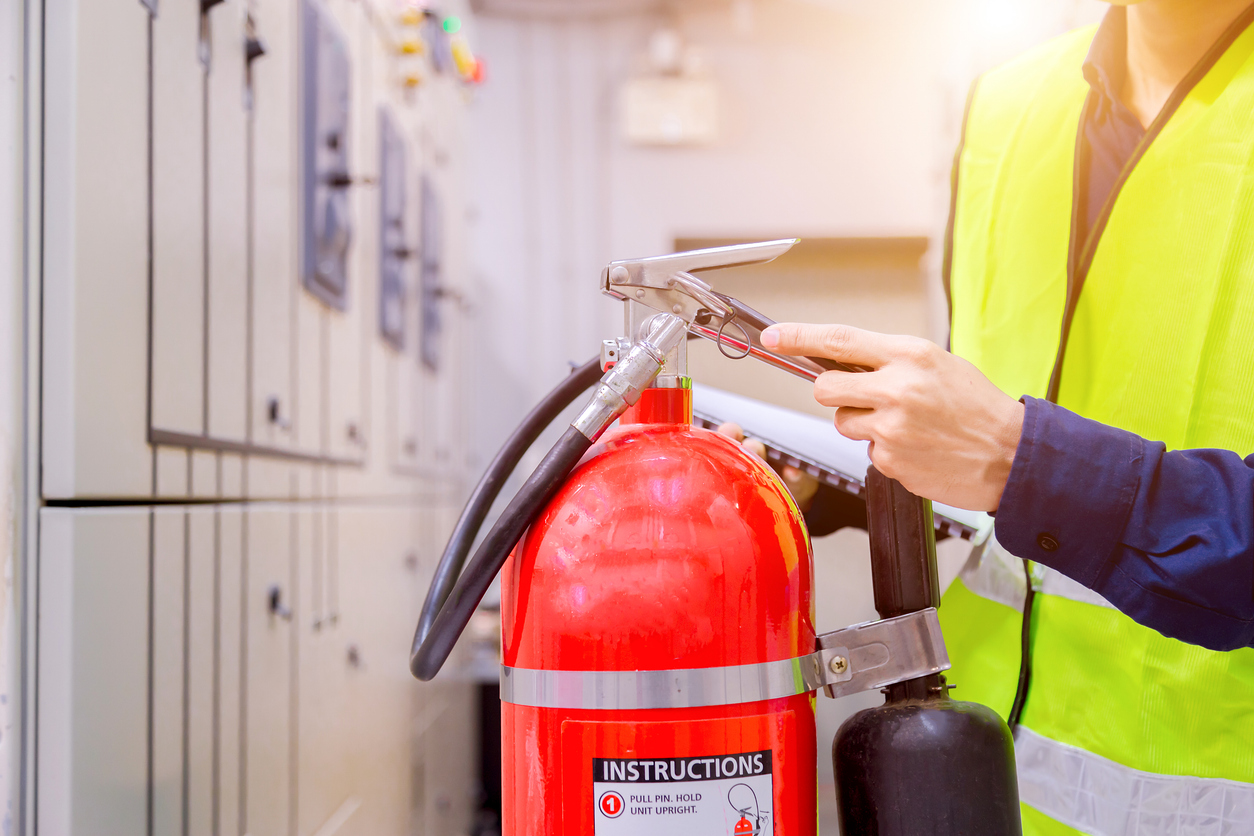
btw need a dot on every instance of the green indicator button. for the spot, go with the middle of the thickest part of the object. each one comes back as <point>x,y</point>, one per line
<point>452,25</point>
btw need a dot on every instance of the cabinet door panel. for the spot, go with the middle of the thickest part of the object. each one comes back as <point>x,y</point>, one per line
<point>269,695</point>
<point>93,672</point>
<point>327,791</point>
<point>227,221</point>
<point>170,538</point>
<point>95,251</point>
<point>178,221</point>
<point>380,596</point>
<point>185,566</point>
<point>200,626</point>
<point>231,659</point>
<point>274,202</point>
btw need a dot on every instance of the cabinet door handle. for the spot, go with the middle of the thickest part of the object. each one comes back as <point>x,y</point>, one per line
<point>355,435</point>
<point>275,601</point>
<point>274,412</point>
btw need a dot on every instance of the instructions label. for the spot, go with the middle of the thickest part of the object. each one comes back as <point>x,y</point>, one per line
<point>712,795</point>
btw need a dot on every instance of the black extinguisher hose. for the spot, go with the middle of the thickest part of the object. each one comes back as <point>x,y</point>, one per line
<point>489,488</point>
<point>453,607</point>
<point>431,651</point>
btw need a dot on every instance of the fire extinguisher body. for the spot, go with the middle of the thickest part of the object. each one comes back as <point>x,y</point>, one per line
<point>671,569</point>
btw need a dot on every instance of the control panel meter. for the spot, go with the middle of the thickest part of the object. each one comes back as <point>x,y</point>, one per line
<point>325,218</point>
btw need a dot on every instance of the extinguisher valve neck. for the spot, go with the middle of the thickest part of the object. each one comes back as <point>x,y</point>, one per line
<point>623,384</point>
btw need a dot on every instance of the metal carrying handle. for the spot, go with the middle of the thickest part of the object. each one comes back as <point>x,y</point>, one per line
<point>654,271</point>
<point>666,283</point>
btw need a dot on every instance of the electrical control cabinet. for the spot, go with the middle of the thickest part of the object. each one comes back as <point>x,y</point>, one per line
<point>238,661</point>
<point>327,227</point>
<point>177,319</point>
<point>272,683</point>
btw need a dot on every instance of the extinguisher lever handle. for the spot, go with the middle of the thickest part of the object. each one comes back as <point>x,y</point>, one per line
<point>752,324</point>
<point>666,284</point>
<point>656,272</point>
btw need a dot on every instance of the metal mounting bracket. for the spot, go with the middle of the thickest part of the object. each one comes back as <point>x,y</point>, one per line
<point>880,653</point>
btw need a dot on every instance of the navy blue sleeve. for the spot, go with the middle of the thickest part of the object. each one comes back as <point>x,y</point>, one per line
<point>1167,537</point>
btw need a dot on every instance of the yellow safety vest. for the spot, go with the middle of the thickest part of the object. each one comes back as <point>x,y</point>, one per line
<point>1123,730</point>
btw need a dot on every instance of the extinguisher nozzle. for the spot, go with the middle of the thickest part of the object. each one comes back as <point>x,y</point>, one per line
<point>626,380</point>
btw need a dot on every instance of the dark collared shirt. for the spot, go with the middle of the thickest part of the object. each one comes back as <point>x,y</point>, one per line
<point>1167,537</point>
<point>1112,131</point>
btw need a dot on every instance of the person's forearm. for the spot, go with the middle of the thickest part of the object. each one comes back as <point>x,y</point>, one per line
<point>1167,537</point>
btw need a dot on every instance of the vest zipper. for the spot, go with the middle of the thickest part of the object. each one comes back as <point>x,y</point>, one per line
<point>947,258</point>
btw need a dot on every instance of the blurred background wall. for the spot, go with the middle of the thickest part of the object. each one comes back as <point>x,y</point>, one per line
<point>835,119</point>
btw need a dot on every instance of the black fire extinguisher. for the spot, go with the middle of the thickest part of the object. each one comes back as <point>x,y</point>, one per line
<point>921,764</point>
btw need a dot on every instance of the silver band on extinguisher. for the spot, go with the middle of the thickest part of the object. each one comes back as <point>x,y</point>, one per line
<point>857,658</point>
<point>686,688</point>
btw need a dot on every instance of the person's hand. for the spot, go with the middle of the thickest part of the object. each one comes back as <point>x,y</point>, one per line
<point>800,484</point>
<point>935,423</point>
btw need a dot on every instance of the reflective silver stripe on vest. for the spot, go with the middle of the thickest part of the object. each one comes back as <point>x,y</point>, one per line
<point>993,573</point>
<point>1053,582</point>
<point>686,688</point>
<point>1104,798</point>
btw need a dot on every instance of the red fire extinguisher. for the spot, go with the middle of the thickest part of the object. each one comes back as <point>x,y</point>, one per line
<point>649,622</point>
<point>657,615</point>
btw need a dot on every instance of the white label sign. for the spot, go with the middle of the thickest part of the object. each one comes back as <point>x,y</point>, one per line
<point>715,795</point>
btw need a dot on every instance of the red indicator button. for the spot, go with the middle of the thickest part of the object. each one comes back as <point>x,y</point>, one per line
<point>611,805</point>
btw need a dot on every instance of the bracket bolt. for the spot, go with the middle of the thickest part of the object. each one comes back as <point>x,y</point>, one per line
<point>640,294</point>
<point>838,665</point>
<point>677,309</point>
<point>619,275</point>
